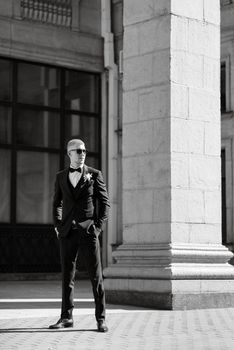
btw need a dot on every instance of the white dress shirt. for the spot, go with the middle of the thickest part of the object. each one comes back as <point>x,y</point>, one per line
<point>75,177</point>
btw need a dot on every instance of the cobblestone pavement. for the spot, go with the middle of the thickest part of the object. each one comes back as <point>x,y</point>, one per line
<point>27,308</point>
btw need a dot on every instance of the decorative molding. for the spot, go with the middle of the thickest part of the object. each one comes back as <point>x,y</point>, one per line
<point>171,261</point>
<point>55,12</point>
<point>171,253</point>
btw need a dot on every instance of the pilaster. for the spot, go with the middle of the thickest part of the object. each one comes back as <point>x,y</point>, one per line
<point>171,256</point>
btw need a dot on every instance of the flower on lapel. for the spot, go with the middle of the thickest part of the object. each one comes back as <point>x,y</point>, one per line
<point>88,177</point>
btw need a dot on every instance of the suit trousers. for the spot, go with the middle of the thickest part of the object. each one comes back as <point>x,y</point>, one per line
<point>87,244</point>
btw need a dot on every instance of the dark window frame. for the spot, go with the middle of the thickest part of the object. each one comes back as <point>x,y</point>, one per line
<point>225,85</point>
<point>223,90</point>
<point>223,195</point>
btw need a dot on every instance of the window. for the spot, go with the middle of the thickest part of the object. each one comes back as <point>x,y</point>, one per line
<point>5,124</point>
<point>225,85</point>
<point>81,92</point>
<point>35,177</point>
<point>6,80</point>
<point>5,185</point>
<point>38,85</point>
<point>37,128</point>
<point>41,108</point>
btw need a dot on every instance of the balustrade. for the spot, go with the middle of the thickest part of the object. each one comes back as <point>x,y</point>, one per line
<point>56,12</point>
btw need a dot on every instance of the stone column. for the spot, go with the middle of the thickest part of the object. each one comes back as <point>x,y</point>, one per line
<point>171,256</point>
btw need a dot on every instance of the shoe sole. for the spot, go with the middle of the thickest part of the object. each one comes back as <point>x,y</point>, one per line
<point>102,330</point>
<point>60,327</point>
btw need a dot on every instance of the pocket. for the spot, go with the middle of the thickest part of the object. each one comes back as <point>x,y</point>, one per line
<point>96,232</point>
<point>91,229</point>
<point>85,225</point>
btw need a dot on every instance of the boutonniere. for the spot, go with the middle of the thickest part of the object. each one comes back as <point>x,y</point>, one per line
<point>88,177</point>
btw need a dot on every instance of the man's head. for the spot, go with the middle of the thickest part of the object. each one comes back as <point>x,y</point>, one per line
<point>76,152</point>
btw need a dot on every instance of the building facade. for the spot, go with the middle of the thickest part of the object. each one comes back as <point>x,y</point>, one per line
<point>139,83</point>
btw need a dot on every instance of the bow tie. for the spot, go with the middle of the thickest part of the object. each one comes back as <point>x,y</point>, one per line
<point>72,170</point>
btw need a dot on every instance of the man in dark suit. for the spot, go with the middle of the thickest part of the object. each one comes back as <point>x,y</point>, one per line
<point>80,207</point>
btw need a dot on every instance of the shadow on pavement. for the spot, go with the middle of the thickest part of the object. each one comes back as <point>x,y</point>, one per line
<point>81,304</point>
<point>42,305</point>
<point>43,330</point>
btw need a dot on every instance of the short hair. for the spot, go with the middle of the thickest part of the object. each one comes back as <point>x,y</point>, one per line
<point>74,143</point>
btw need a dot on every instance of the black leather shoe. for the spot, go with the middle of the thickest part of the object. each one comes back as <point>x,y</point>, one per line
<point>62,323</point>
<point>102,327</point>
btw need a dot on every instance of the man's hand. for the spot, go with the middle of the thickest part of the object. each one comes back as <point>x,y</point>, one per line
<point>97,229</point>
<point>56,230</point>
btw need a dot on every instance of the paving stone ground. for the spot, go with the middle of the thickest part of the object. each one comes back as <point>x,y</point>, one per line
<point>27,308</point>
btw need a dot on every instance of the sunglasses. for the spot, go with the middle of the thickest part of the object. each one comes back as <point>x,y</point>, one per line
<point>79,151</point>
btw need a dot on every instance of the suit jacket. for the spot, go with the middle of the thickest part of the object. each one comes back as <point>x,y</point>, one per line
<point>88,202</point>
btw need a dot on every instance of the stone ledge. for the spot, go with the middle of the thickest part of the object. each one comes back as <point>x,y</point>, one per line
<point>170,301</point>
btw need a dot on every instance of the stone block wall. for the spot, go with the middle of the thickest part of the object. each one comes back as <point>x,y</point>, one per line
<point>195,123</point>
<point>66,32</point>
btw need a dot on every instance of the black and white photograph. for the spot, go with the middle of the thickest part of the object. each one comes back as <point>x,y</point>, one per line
<point>116,174</point>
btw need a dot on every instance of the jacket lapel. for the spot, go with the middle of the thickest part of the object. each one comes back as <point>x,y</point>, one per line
<point>65,182</point>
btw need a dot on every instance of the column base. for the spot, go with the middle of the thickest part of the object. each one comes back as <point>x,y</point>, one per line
<point>168,301</point>
<point>171,277</point>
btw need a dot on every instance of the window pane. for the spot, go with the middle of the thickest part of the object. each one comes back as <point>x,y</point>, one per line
<point>37,128</point>
<point>223,87</point>
<point>5,157</point>
<point>35,184</point>
<point>85,128</point>
<point>92,161</point>
<point>81,91</point>
<point>38,85</point>
<point>5,124</point>
<point>5,80</point>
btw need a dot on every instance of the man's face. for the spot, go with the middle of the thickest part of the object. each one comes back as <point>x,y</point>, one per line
<point>77,155</point>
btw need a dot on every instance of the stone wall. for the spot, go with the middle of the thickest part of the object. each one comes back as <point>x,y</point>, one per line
<point>63,32</point>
